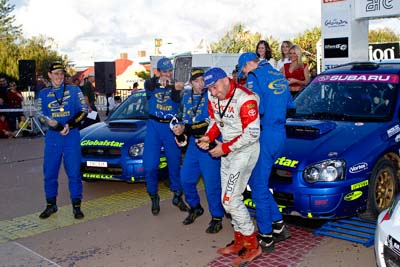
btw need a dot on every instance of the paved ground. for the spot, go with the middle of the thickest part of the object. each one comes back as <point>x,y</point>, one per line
<point>119,230</point>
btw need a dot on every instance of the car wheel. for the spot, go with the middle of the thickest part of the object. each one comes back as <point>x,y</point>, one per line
<point>383,187</point>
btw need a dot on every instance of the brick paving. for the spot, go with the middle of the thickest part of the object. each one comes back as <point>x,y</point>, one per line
<point>287,253</point>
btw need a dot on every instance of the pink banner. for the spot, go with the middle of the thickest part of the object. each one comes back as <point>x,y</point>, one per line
<point>380,78</point>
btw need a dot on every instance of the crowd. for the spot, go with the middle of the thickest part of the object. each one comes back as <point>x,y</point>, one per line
<point>232,129</point>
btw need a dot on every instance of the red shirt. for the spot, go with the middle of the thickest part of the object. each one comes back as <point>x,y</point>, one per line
<point>296,74</point>
<point>14,99</point>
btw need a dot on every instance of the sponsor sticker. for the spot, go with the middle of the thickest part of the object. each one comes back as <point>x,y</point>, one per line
<point>376,78</point>
<point>353,195</point>
<point>359,167</point>
<point>392,131</point>
<point>359,185</point>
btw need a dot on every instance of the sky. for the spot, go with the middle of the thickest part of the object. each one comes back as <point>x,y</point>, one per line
<point>99,30</point>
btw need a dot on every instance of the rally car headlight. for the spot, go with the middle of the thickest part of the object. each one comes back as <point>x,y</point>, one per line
<point>136,150</point>
<point>325,171</point>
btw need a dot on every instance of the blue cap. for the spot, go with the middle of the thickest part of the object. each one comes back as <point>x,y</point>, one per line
<point>243,59</point>
<point>164,64</point>
<point>213,75</point>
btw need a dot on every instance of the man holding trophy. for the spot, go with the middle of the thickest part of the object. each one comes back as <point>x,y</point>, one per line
<point>62,107</point>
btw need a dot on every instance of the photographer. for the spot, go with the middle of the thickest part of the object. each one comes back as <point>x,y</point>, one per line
<point>164,96</point>
<point>63,108</point>
<point>198,161</point>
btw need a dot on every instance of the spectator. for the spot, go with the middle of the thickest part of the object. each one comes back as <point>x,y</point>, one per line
<point>14,98</point>
<point>313,74</point>
<point>197,161</point>
<point>263,51</point>
<point>88,91</point>
<point>39,85</point>
<point>3,89</point>
<point>135,87</point>
<point>296,72</point>
<point>5,131</point>
<point>68,79</point>
<point>233,112</point>
<point>164,97</point>
<point>285,46</point>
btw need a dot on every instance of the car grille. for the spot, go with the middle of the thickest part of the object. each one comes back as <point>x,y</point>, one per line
<point>113,169</point>
<point>281,176</point>
<point>391,258</point>
<point>101,152</point>
<point>284,199</point>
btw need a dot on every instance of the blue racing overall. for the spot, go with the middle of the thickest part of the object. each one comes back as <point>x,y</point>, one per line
<point>163,106</point>
<point>198,161</point>
<point>273,90</point>
<point>65,104</point>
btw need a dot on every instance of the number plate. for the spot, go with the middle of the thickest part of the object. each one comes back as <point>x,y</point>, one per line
<point>96,164</point>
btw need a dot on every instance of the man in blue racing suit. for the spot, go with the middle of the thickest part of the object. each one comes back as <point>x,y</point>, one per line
<point>198,161</point>
<point>164,96</point>
<point>63,108</point>
<point>275,98</point>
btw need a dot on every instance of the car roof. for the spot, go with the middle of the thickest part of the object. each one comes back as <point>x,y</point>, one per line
<point>386,67</point>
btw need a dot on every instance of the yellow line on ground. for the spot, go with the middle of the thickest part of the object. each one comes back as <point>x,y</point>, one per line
<point>30,225</point>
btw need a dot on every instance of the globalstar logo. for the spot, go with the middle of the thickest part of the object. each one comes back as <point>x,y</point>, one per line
<point>386,78</point>
<point>101,143</point>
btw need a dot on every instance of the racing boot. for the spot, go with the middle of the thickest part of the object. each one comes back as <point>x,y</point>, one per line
<point>178,201</point>
<point>50,208</point>
<point>251,251</point>
<point>76,208</point>
<point>266,242</point>
<point>280,231</point>
<point>194,213</point>
<point>234,247</point>
<point>214,226</point>
<point>155,204</point>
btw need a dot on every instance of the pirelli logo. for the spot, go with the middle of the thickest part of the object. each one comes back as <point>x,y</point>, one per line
<point>359,185</point>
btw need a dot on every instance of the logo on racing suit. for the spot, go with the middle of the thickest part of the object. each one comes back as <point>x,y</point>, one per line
<point>278,86</point>
<point>230,187</point>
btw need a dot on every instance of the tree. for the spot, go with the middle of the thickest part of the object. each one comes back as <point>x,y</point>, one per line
<point>8,31</point>
<point>237,40</point>
<point>383,35</point>
<point>144,74</point>
<point>308,43</point>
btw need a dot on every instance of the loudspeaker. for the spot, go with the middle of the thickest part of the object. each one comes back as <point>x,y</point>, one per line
<point>105,77</point>
<point>27,72</point>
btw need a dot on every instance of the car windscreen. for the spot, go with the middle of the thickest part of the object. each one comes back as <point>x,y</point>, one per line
<point>134,107</point>
<point>349,97</point>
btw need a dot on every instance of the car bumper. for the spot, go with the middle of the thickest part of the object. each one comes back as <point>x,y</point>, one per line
<point>323,200</point>
<point>119,169</point>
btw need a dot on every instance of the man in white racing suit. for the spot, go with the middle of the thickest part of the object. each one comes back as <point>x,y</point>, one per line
<point>233,111</point>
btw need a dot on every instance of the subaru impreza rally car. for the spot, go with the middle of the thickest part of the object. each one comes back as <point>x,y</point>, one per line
<point>342,157</point>
<point>113,149</point>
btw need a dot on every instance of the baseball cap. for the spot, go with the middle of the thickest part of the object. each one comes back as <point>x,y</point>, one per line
<point>213,75</point>
<point>164,64</point>
<point>56,66</point>
<point>195,73</point>
<point>243,59</point>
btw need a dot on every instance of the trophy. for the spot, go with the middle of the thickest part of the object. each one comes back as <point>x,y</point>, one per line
<point>182,139</point>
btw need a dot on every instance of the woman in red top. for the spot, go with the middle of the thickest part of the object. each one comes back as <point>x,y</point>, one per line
<point>296,72</point>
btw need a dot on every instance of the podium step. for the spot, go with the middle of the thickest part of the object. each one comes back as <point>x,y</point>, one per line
<point>353,229</point>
